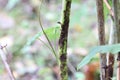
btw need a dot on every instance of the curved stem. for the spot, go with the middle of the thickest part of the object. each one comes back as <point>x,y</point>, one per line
<point>40,23</point>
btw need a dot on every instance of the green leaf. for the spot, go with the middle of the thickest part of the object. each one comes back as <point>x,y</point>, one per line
<point>115,48</point>
<point>52,33</point>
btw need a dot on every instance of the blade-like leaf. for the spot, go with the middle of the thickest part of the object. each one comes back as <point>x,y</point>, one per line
<point>115,48</point>
<point>87,58</point>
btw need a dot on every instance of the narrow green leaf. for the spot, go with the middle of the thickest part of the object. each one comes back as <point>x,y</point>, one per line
<point>115,48</point>
<point>88,57</point>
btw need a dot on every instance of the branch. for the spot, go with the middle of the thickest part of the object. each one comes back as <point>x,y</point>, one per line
<point>4,60</point>
<point>109,8</point>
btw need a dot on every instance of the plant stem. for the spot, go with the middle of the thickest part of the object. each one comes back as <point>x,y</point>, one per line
<point>4,60</point>
<point>116,7</point>
<point>63,40</point>
<point>109,7</point>
<point>110,56</point>
<point>101,33</point>
<point>50,44</point>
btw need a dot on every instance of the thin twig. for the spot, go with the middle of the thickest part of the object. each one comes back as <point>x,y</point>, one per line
<point>109,8</point>
<point>4,60</point>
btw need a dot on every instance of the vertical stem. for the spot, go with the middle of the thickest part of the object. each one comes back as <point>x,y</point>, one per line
<point>110,65</point>
<point>4,60</point>
<point>101,33</point>
<point>118,68</point>
<point>110,56</point>
<point>63,39</point>
<point>116,6</point>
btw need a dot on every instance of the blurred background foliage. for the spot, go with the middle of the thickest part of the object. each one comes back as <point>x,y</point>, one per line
<point>29,57</point>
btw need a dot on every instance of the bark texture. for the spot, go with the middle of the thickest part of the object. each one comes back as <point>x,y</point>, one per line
<point>63,39</point>
<point>101,33</point>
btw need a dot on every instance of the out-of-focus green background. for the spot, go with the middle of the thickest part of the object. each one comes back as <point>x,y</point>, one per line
<point>29,58</point>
